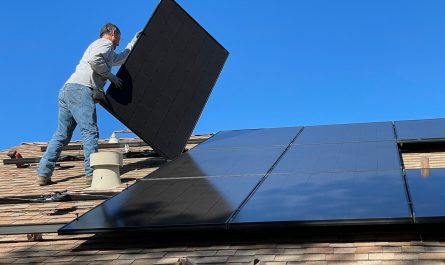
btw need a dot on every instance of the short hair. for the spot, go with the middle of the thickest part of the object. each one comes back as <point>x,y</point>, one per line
<point>108,28</point>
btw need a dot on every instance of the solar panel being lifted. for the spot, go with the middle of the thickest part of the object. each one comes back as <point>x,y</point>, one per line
<point>168,78</point>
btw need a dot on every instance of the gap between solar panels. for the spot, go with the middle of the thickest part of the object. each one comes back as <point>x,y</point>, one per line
<point>249,196</point>
<point>424,138</point>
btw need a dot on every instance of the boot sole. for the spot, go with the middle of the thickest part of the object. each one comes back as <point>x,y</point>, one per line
<point>43,181</point>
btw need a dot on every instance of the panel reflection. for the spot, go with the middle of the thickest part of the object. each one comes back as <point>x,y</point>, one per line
<point>427,192</point>
<point>328,197</point>
<point>171,202</point>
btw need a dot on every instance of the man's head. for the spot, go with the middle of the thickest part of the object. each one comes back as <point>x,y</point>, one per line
<point>111,32</point>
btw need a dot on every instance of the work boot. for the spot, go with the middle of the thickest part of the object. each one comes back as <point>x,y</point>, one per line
<point>44,180</point>
<point>88,180</point>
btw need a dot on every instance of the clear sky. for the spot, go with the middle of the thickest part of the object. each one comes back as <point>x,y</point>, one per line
<point>291,62</point>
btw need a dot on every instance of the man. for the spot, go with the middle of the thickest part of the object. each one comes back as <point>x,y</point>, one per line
<point>77,100</point>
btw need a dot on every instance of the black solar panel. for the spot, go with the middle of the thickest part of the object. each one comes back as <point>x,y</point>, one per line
<point>168,203</point>
<point>346,197</point>
<point>211,162</point>
<point>415,130</point>
<point>168,77</point>
<point>340,157</point>
<point>342,133</point>
<point>241,152</point>
<point>427,194</point>
<point>251,138</point>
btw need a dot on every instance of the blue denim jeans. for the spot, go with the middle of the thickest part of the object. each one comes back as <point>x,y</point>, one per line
<point>76,107</point>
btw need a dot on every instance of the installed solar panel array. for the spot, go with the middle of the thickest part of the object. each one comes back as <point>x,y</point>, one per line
<point>338,174</point>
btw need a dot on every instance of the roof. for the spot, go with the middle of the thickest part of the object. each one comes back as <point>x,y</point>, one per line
<point>277,247</point>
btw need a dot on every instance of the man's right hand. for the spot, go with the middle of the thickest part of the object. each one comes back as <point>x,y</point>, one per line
<point>133,41</point>
<point>116,81</point>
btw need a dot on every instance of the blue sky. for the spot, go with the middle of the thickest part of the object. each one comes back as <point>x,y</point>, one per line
<point>291,62</point>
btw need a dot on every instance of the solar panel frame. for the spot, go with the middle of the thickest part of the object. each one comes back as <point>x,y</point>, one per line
<point>168,78</point>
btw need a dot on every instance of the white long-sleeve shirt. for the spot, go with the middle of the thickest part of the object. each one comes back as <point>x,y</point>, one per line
<point>94,68</point>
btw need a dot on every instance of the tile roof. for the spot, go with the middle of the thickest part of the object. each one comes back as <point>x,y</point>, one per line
<point>297,248</point>
<point>412,160</point>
